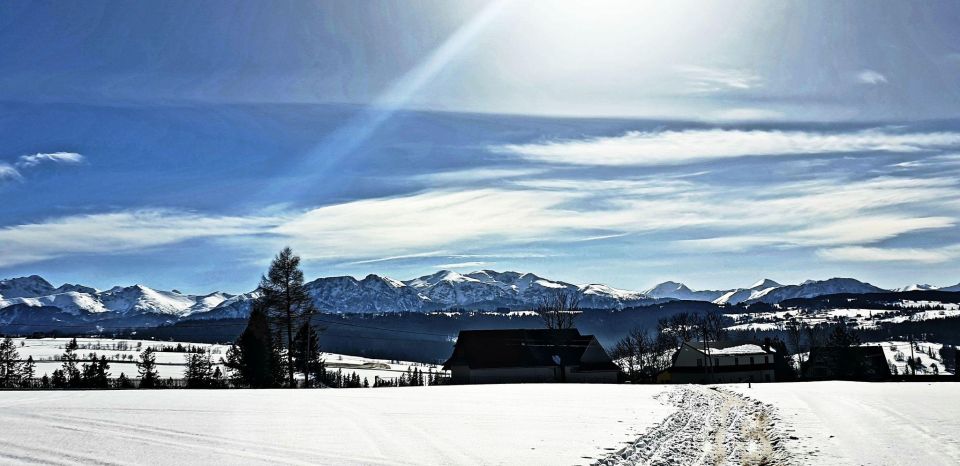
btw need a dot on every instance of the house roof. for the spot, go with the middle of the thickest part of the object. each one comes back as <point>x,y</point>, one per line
<point>721,349</point>
<point>522,348</point>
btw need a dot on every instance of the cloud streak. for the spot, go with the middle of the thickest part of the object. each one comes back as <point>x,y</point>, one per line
<point>28,161</point>
<point>637,148</point>
<point>871,77</point>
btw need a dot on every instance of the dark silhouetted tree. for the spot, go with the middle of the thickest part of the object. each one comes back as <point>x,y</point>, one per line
<point>147,367</point>
<point>254,359</point>
<point>286,302</point>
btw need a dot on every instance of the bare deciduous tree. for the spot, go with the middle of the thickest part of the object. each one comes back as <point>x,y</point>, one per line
<point>559,309</point>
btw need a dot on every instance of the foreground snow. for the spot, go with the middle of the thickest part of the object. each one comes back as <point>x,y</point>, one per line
<point>836,423</point>
<point>501,424</point>
<point>857,423</point>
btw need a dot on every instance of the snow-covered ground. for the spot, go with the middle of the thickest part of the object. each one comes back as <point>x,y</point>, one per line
<point>123,354</point>
<point>859,423</point>
<point>470,425</point>
<point>813,423</point>
<point>862,318</point>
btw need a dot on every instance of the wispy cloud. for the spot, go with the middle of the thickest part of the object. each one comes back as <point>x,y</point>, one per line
<point>8,172</point>
<point>638,148</point>
<point>27,161</point>
<point>119,232</point>
<point>463,265</point>
<point>875,254</point>
<point>703,79</point>
<point>871,77</point>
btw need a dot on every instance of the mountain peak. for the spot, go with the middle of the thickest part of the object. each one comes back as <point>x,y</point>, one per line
<point>765,283</point>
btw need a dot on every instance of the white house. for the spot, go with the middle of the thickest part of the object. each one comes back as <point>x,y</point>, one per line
<point>695,362</point>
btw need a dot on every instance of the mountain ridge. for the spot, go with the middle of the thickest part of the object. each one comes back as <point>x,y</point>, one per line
<point>483,290</point>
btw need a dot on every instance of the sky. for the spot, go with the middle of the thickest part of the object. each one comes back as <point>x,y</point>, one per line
<point>182,144</point>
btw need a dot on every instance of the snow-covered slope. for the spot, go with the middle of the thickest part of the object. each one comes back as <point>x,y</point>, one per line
<point>916,287</point>
<point>675,290</point>
<point>812,288</point>
<point>951,288</point>
<point>757,290</point>
<point>25,287</point>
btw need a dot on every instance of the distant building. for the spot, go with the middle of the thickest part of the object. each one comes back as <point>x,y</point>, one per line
<point>529,355</point>
<point>719,363</point>
<point>848,363</point>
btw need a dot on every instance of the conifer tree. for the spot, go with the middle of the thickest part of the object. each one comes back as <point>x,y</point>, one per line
<point>254,359</point>
<point>71,373</point>
<point>306,353</point>
<point>147,367</point>
<point>10,365</point>
<point>286,301</point>
<point>29,368</point>
<point>199,370</point>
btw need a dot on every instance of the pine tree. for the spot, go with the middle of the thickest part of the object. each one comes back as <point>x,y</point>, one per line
<point>306,353</point>
<point>254,359</point>
<point>69,366</point>
<point>199,370</point>
<point>147,367</point>
<point>123,381</point>
<point>9,364</point>
<point>286,301</point>
<point>29,369</point>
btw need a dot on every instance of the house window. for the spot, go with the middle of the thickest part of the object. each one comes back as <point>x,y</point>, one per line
<point>751,360</point>
<point>716,361</point>
<point>699,362</point>
<point>736,361</point>
<point>765,360</point>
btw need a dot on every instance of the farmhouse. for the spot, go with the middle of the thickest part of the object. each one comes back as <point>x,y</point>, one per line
<point>529,355</point>
<point>851,363</point>
<point>695,362</point>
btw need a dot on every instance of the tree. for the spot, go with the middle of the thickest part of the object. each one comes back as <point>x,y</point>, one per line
<point>29,369</point>
<point>95,375</point>
<point>199,370</point>
<point>10,366</point>
<point>71,373</point>
<point>286,301</point>
<point>254,359</point>
<point>147,367</point>
<point>559,309</point>
<point>306,353</point>
<point>123,381</point>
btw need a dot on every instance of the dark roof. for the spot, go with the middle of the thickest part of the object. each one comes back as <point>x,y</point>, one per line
<point>522,348</point>
<point>857,362</point>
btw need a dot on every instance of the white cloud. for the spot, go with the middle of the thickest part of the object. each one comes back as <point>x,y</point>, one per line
<point>8,172</point>
<point>703,79</point>
<point>26,161</point>
<point>463,265</point>
<point>831,212</point>
<point>871,77</point>
<point>117,233</point>
<point>873,254</point>
<point>638,148</point>
<point>747,114</point>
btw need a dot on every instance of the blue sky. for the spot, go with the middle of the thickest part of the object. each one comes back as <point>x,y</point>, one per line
<point>181,145</point>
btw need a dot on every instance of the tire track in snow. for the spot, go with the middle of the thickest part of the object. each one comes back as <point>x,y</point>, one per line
<point>710,427</point>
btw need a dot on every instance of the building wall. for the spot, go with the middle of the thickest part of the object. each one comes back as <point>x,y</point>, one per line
<point>465,375</point>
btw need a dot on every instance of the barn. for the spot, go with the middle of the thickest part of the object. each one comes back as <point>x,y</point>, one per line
<point>529,356</point>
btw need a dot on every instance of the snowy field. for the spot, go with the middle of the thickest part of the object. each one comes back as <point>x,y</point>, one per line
<point>470,425</point>
<point>914,311</point>
<point>835,423</point>
<point>123,354</point>
<point>857,423</point>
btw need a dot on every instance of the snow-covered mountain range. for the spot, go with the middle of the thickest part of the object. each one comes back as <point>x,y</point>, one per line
<point>33,299</point>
